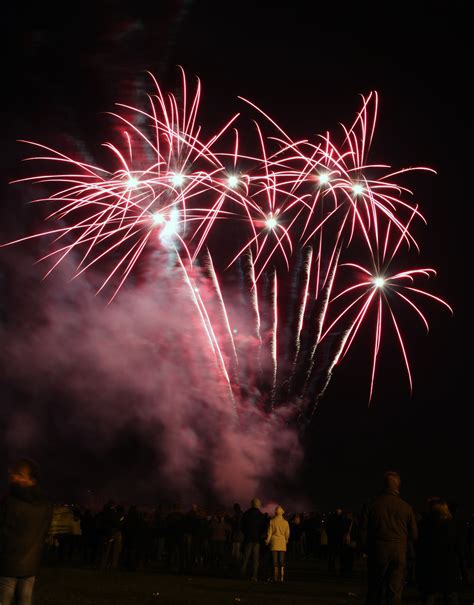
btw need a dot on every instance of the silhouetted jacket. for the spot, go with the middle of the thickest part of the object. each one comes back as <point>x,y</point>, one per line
<point>391,520</point>
<point>439,556</point>
<point>25,516</point>
<point>335,530</point>
<point>254,525</point>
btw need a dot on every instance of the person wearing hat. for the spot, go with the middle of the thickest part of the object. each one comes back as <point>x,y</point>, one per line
<point>277,538</point>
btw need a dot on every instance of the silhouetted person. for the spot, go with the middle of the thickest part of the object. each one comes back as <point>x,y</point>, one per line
<point>237,536</point>
<point>191,524</point>
<point>439,556</point>
<point>470,542</point>
<point>461,532</point>
<point>297,537</point>
<point>390,523</point>
<point>132,533</point>
<point>349,544</point>
<point>219,532</point>
<point>175,538</point>
<point>278,535</point>
<point>313,529</point>
<point>335,530</point>
<point>110,521</point>
<point>158,531</point>
<point>89,538</point>
<point>66,529</point>
<point>25,515</point>
<point>254,526</point>
<point>201,540</point>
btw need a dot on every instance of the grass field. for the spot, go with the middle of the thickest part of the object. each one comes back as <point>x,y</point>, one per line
<point>306,585</point>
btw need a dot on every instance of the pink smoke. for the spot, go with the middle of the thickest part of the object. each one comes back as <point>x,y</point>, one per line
<point>142,362</point>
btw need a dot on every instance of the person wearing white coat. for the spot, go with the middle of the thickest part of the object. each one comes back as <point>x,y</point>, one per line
<point>277,538</point>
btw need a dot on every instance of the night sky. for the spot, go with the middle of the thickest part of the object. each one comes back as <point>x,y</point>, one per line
<point>62,68</point>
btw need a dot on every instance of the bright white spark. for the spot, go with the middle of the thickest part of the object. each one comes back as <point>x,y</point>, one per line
<point>379,282</point>
<point>271,222</point>
<point>157,219</point>
<point>170,228</point>
<point>177,180</point>
<point>323,178</point>
<point>132,182</point>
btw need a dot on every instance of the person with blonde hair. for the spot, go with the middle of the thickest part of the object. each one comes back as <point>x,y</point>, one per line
<point>277,538</point>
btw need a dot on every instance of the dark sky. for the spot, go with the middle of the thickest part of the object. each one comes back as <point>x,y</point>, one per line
<point>307,68</point>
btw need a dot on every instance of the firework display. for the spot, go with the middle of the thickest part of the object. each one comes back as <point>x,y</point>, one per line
<point>315,235</point>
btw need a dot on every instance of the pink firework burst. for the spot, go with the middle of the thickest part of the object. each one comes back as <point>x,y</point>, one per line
<point>293,212</point>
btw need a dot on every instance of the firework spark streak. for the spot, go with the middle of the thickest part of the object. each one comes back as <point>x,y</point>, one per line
<point>274,342</point>
<point>172,190</point>
<point>215,281</point>
<point>208,328</point>
<point>255,297</point>
<point>302,310</point>
<point>320,322</point>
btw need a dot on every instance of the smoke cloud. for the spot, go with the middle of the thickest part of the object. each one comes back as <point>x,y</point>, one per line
<point>126,399</point>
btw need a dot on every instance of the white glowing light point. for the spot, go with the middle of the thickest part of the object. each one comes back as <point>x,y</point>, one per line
<point>157,219</point>
<point>132,182</point>
<point>170,227</point>
<point>379,282</point>
<point>357,189</point>
<point>271,222</point>
<point>232,181</point>
<point>323,178</point>
<point>177,180</point>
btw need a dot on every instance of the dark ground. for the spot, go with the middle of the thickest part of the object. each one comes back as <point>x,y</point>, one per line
<point>306,584</point>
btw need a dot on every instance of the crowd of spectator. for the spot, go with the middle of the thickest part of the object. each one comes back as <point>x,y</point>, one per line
<point>193,539</point>
<point>432,551</point>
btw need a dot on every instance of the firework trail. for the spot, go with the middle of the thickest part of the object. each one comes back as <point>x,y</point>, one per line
<point>320,322</point>
<point>215,282</point>
<point>208,328</point>
<point>274,339</point>
<point>208,202</point>
<point>255,297</point>
<point>304,301</point>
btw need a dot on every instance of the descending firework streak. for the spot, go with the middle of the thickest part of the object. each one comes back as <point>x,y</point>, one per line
<point>291,211</point>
